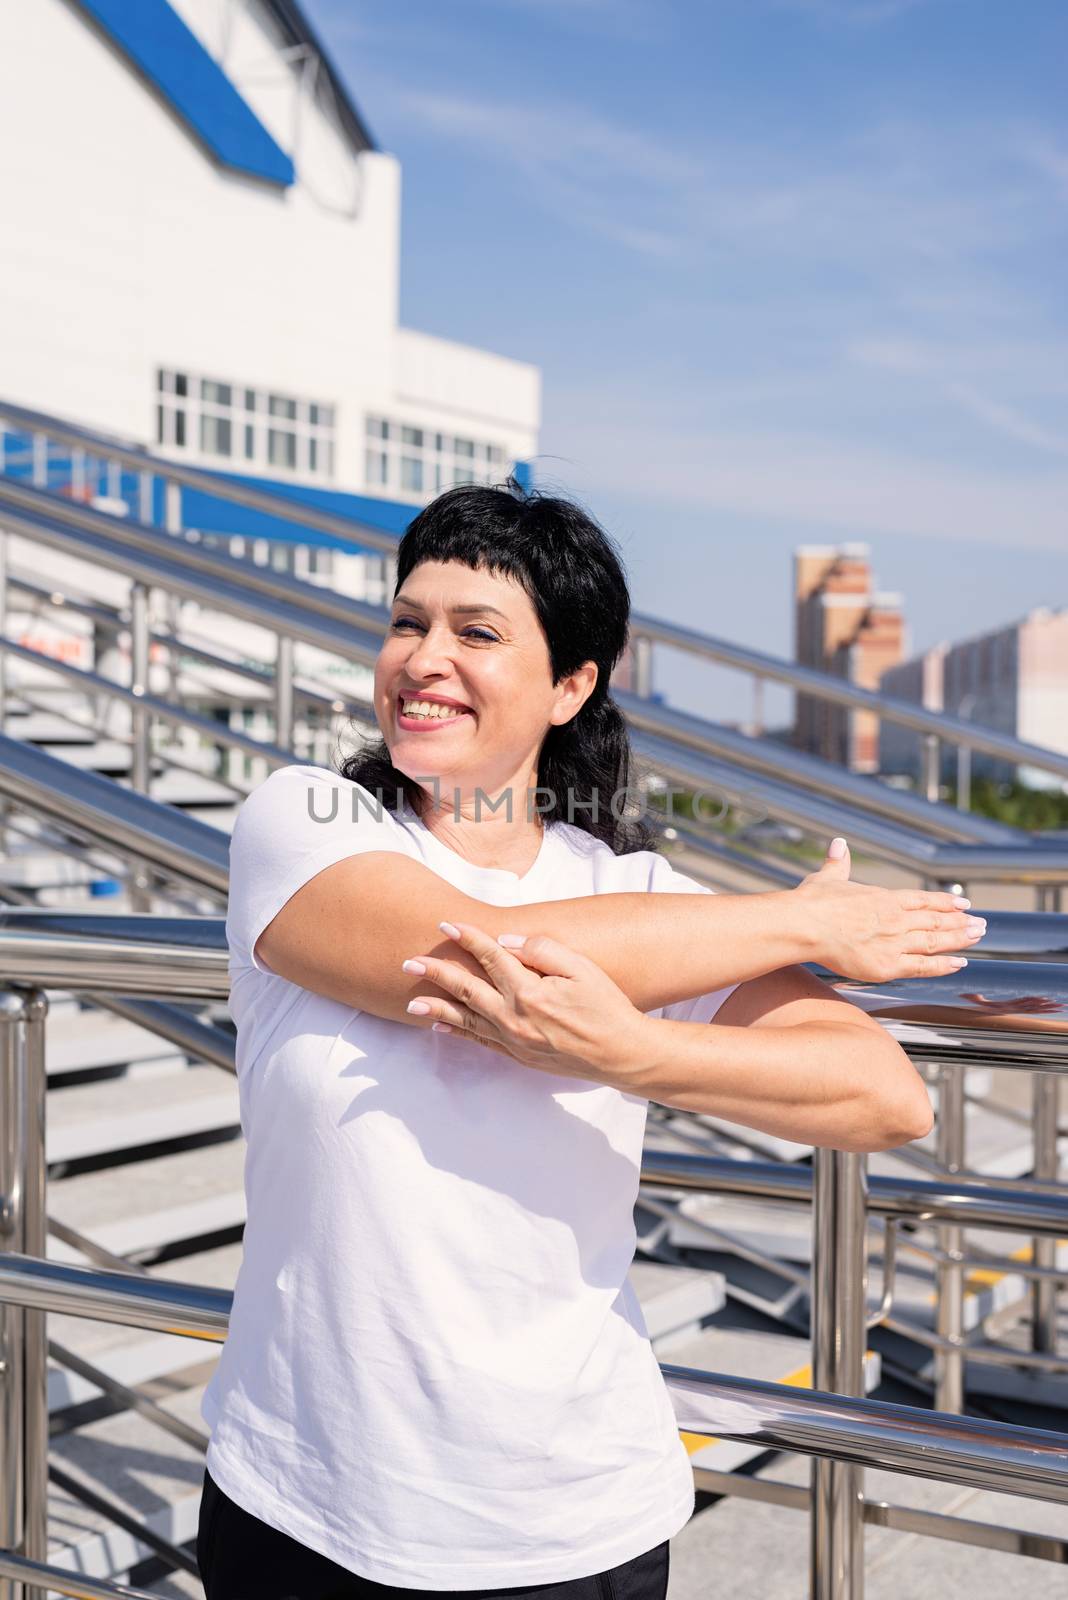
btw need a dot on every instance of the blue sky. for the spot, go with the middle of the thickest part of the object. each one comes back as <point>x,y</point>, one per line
<point>793,270</point>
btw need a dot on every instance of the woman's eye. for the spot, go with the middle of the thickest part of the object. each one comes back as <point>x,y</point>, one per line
<point>471,633</point>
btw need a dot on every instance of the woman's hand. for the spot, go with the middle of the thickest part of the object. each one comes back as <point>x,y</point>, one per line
<point>878,935</point>
<point>540,1002</point>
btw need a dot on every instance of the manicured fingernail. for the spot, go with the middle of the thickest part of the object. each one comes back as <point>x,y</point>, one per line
<point>449,929</point>
<point>440,1027</point>
<point>512,941</point>
<point>960,961</point>
<point>418,1008</point>
<point>976,925</point>
<point>960,901</point>
<point>836,849</point>
<point>413,966</point>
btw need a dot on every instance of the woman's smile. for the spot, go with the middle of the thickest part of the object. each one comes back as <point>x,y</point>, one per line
<point>424,713</point>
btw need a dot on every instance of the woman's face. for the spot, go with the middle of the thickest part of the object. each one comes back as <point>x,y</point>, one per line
<point>469,645</point>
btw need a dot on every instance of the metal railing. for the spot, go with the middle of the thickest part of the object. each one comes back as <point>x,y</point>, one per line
<point>842,1431</point>
<point>685,749</point>
<point>939,844</point>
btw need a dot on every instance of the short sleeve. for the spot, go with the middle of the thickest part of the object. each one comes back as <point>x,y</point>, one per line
<point>666,879</point>
<point>299,821</point>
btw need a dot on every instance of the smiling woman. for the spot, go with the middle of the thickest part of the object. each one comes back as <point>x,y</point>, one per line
<point>459,973</point>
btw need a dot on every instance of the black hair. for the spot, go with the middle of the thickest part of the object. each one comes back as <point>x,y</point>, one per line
<point>572,572</point>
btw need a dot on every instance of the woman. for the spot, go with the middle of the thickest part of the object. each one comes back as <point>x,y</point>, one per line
<point>437,1376</point>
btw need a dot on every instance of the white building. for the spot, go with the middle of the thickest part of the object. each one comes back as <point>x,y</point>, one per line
<point>202,253</point>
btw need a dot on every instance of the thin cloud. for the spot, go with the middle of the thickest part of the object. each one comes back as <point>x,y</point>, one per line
<point>575,161</point>
<point>908,359</point>
<point>852,13</point>
<point>812,481</point>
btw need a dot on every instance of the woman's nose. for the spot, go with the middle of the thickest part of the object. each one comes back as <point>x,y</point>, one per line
<point>430,652</point>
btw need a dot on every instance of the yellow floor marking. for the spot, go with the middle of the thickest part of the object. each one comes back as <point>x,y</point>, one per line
<point>801,1378</point>
<point>986,1277</point>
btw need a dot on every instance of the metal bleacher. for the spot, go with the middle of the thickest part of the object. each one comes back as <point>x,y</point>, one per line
<point>119,782</point>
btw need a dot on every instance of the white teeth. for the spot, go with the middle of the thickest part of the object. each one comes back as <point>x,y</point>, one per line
<point>430,708</point>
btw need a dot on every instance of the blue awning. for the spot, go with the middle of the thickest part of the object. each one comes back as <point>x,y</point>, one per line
<point>174,62</point>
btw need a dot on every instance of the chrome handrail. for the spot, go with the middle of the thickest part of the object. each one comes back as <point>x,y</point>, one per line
<point>130,454</point>
<point>759,664</point>
<point>684,748</point>
<point>838,691</point>
<point>125,951</point>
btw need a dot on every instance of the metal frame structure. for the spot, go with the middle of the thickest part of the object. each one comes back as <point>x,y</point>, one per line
<point>116,959</point>
<point>941,845</point>
<point>843,1432</point>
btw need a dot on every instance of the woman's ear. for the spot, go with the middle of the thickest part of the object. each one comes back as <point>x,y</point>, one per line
<point>574,691</point>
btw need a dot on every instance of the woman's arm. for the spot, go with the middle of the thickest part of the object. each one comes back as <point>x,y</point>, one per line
<point>784,1053</point>
<point>345,933</point>
<point>787,1055</point>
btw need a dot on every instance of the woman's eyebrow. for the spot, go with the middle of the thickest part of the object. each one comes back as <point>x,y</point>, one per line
<point>402,599</point>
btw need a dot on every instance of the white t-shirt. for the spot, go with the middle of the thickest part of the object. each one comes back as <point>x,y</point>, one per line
<point>437,1373</point>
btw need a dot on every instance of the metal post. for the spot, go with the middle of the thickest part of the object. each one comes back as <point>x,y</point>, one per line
<point>642,652</point>
<point>172,507</point>
<point>1046,1168</point>
<point>949,1315</point>
<point>3,673</point>
<point>964,777</point>
<point>757,728</point>
<point>174,618</point>
<point>283,693</point>
<point>140,729</point>
<point>932,764</point>
<point>139,772</point>
<point>23,1335</point>
<point>40,460</point>
<point>839,1256</point>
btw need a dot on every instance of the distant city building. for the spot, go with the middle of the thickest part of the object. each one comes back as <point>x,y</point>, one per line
<point>1014,680</point>
<point>845,627</point>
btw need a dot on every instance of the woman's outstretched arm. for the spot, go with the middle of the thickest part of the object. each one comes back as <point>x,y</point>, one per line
<point>345,933</point>
<point>784,1053</point>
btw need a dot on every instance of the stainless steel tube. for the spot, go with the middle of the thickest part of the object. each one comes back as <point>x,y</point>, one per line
<point>949,1273</point>
<point>283,693</point>
<point>140,730</point>
<point>839,1236</point>
<point>3,672</point>
<point>23,1337</point>
<point>642,657</point>
<point>1046,1168</point>
<point>34,1243</point>
<point>932,762</point>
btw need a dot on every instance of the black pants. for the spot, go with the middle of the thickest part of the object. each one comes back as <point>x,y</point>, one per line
<point>242,1558</point>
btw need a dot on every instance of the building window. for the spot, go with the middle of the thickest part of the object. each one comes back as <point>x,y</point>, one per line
<point>377,465</point>
<point>270,431</point>
<point>214,434</point>
<point>417,462</point>
<point>282,448</point>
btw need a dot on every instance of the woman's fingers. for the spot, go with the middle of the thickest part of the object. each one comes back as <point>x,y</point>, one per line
<point>930,966</point>
<point>932,900</point>
<point>474,994</point>
<point>507,974</point>
<point>550,958</point>
<point>934,941</point>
